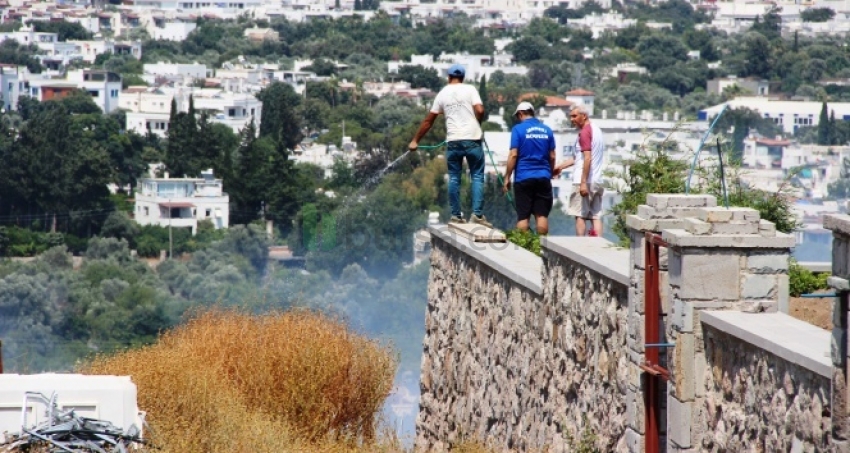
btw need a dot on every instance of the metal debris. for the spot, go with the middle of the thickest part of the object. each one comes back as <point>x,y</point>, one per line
<point>65,431</point>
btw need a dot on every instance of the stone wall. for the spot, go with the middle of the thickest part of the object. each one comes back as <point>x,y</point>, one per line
<point>481,355</point>
<point>756,401</point>
<point>523,370</point>
<point>589,313</point>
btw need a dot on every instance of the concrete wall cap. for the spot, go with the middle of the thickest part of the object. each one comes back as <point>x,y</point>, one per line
<point>838,223</point>
<point>508,259</point>
<point>786,337</point>
<point>597,254</point>
<point>682,238</point>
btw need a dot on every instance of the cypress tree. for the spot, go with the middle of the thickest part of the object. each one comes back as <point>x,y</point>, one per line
<point>823,126</point>
<point>834,135</point>
<point>357,5</point>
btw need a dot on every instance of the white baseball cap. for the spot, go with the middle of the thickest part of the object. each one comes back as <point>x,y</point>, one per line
<point>523,106</point>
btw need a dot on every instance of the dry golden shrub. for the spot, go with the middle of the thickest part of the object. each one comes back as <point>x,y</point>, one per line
<point>227,381</point>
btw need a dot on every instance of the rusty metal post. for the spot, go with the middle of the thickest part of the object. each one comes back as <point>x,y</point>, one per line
<point>653,433</point>
<point>655,374</point>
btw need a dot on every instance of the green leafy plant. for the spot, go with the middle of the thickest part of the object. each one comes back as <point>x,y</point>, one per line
<point>525,239</point>
<point>804,281</point>
<point>653,170</point>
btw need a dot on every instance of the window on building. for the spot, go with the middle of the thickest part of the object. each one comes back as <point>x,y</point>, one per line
<point>94,93</point>
<point>252,112</point>
<point>147,211</point>
<point>208,212</point>
<point>231,112</point>
<point>113,93</point>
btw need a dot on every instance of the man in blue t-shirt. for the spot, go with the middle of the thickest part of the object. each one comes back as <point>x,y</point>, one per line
<point>533,157</point>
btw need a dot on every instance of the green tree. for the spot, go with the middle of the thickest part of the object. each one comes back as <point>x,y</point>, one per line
<point>758,55</point>
<point>421,77</point>
<point>823,127</point>
<point>817,14</point>
<point>279,116</point>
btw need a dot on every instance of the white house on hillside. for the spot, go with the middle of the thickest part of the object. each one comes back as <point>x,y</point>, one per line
<point>182,202</point>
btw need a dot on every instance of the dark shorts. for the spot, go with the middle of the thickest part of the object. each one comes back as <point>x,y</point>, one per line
<point>533,196</point>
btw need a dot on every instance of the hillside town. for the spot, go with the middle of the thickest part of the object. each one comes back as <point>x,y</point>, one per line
<point>159,158</point>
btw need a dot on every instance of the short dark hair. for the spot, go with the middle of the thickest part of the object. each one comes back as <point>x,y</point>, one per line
<point>527,112</point>
<point>459,78</point>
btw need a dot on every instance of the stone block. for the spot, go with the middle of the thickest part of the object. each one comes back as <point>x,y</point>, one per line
<point>705,276</point>
<point>664,287</point>
<point>636,249</point>
<point>838,347</point>
<point>689,201</point>
<point>637,223</point>
<point>758,286</point>
<point>683,366</point>
<point>679,422</point>
<point>840,255</point>
<point>681,238</point>
<point>839,407</point>
<point>700,365</point>
<point>635,410</point>
<point>697,226</point>
<point>681,316</point>
<point>658,201</point>
<point>715,215</point>
<point>838,223</point>
<point>649,213</point>
<point>767,263</point>
<point>767,228</point>
<point>745,214</point>
<point>783,294</point>
<point>735,227</point>
<point>634,441</point>
<point>838,283</point>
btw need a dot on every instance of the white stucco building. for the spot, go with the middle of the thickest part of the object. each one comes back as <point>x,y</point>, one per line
<point>789,115</point>
<point>149,109</point>
<point>475,65</point>
<point>182,202</point>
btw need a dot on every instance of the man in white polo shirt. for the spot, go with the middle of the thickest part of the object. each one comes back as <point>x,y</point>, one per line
<point>586,198</point>
<point>464,111</point>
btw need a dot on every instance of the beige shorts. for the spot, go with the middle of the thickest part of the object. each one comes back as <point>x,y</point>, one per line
<point>589,207</point>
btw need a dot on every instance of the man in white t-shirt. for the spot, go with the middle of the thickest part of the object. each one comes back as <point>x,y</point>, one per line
<point>586,197</point>
<point>464,111</point>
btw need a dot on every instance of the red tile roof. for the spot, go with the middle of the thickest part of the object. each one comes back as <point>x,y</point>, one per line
<point>579,92</point>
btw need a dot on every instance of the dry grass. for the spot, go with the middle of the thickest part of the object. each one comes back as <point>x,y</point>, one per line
<point>231,382</point>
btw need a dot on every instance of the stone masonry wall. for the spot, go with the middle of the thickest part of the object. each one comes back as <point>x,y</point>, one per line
<point>524,372</point>
<point>589,316</point>
<point>755,401</point>
<point>481,356</point>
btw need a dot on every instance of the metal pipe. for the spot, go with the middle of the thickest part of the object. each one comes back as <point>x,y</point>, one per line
<point>816,296</point>
<point>659,345</point>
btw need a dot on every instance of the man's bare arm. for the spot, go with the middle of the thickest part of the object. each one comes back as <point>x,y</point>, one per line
<point>585,171</point>
<point>509,170</point>
<point>479,112</point>
<point>426,125</point>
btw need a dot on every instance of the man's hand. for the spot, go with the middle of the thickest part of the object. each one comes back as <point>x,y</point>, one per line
<point>582,190</point>
<point>563,165</point>
<point>413,146</point>
<point>507,187</point>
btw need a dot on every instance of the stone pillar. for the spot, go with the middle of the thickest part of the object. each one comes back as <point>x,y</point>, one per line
<point>662,211</point>
<point>840,226</point>
<point>722,259</point>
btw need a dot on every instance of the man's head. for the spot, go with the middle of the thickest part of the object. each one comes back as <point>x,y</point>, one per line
<point>524,110</point>
<point>456,72</point>
<point>578,116</point>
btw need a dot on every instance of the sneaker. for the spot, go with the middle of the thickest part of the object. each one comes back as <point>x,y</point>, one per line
<point>592,233</point>
<point>456,219</point>
<point>480,220</point>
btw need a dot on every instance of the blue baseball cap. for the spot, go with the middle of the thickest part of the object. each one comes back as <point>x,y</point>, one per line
<point>456,70</point>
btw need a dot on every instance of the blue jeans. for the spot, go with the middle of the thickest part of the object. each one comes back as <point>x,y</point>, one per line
<point>455,152</point>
